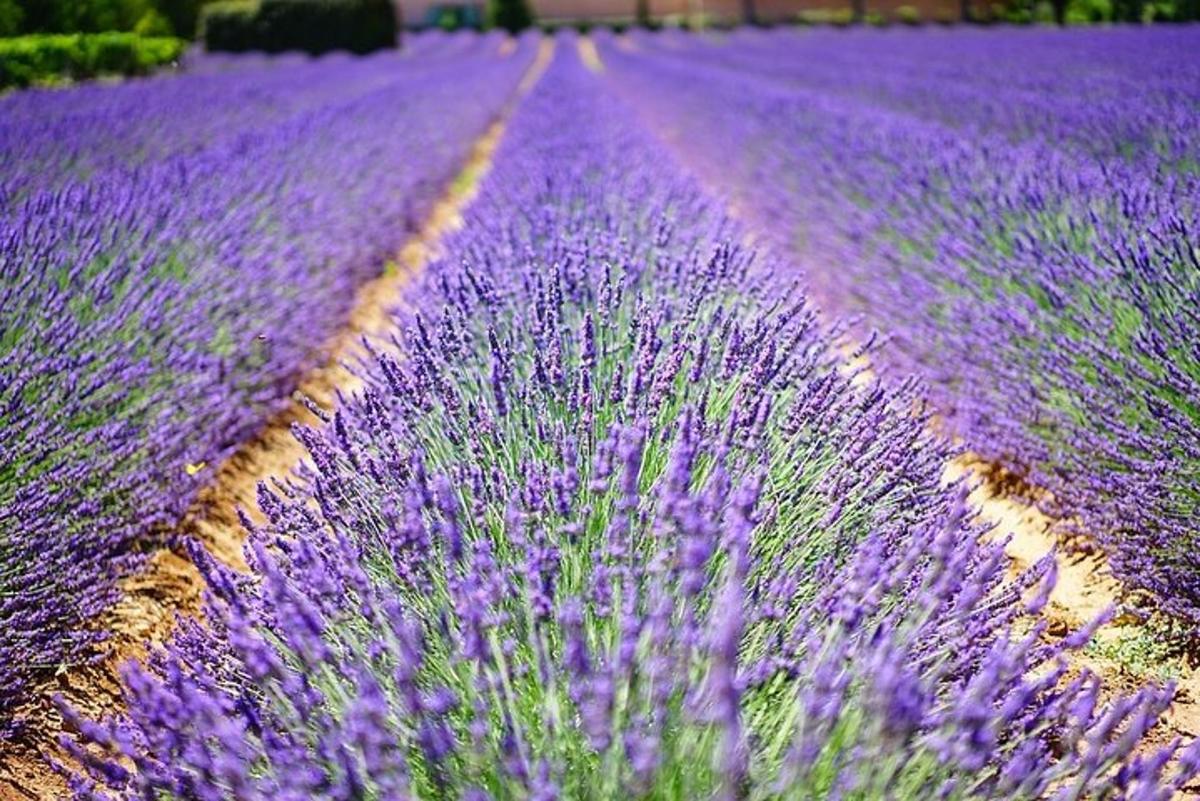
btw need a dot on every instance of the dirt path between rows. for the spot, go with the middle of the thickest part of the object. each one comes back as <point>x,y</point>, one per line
<point>1123,651</point>
<point>1085,587</point>
<point>171,585</point>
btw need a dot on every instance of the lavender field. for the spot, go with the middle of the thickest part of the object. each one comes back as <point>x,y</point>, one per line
<point>641,491</point>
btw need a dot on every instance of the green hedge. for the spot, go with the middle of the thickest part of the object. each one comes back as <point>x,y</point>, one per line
<point>229,25</point>
<point>314,26</point>
<point>39,58</point>
<point>511,15</point>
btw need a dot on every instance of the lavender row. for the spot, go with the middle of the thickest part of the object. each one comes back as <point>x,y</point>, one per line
<point>610,520</point>
<point>1046,287</point>
<point>217,101</point>
<point>155,314</point>
<point>1012,84</point>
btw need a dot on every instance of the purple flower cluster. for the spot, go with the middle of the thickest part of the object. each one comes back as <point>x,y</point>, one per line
<point>610,519</point>
<point>174,253</point>
<point>1018,211</point>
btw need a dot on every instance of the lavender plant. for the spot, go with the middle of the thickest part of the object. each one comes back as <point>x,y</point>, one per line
<point>146,295</point>
<point>1026,239</point>
<point>609,520</point>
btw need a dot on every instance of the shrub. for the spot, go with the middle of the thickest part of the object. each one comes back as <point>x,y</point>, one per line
<point>153,23</point>
<point>841,18</point>
<point>164,17</point>
<point>511,15</point>
<point>11,17</point>
<point>183,16</point>
<point>229,25</point>
<point>39,58</point>
<point>319,26</point>
<point>82,16</point>
<point>314,26</point>
<point>453,17</point>
<point>908,15</point>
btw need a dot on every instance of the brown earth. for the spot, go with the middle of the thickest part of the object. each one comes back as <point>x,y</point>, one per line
<point>1084,590</point>
<point>589,55</point>
<point>171,585</point>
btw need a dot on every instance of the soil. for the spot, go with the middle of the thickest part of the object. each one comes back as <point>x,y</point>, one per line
<point>1084,590</point>
<point>170,585</point>
<point>589,55</point>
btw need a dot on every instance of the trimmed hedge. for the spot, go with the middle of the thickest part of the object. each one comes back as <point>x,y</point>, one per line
<point>39,58</point>
<point>513,16</point>
<point>229,25</point>
<point>314,26</point>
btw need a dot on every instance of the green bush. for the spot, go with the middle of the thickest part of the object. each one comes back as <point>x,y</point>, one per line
<point>314,26</point>
<point>511,15</point>
<point>153,23</point>
<point>183,16</point>
<point>841,18</point>
<point>82,16</point>
<point>908,15</point>
<point>11,16</point>
<point>43,58</point>
<point>229,25</point>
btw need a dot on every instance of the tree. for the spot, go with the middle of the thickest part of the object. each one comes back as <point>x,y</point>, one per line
<point>749,14</point>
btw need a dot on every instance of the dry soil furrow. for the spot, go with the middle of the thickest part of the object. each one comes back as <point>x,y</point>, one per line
<point>1085,589</point>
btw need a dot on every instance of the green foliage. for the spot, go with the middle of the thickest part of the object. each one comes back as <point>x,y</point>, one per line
<point>511,15</point>
<point>318,26</point>
<point>908,15</point>
<point>83,16</point>
<point>1156,650</point>
<point>153,23</point>
<point>182,15</point>
<point>314,26</point>
<point>452,16</point>
<point>145,17</point>
<point>837,17</point>
<point>229,25</point>
<point>11,17</point>
<point>43,58</point>
<point>1085,12</point>
<point>841,18</point>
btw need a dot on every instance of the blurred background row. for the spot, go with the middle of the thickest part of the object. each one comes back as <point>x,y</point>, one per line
<point>184,18</point>
<point>55,41</point>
